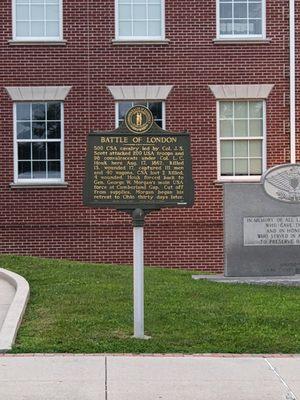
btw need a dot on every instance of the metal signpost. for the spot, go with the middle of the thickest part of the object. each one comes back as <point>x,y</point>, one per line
<point>138,168</point>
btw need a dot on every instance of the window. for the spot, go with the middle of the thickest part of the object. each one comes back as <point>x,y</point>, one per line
<point>156,107</point>
<point>241,18</point>
<point>241,138</point>
<point>140,19</point>
<point>37,19</point>
<point>38,142</point>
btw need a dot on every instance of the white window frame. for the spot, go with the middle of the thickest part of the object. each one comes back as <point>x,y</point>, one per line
<point>262,36</point>
<point>142,101</point>
<point>62,150</point>
<point>36,38</point>
<point>244,178</point>
<point>140,38</point>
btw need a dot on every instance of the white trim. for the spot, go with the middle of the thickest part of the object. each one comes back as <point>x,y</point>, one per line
<point>16,38</point>
<point>139,38</point>
<point>241,37</point>
<point>38,93</point>
<point>140,92</point>
<point>241,92</point>
<point>62,154</point>
<point>292,83</point>
<point>240,178</point>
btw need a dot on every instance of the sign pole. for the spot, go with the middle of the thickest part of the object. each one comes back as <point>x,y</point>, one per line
<point>138,218</point>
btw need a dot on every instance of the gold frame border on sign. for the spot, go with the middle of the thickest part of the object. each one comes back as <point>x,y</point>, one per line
<point>145,127</point>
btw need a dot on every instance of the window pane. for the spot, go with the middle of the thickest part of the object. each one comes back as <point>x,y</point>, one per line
<point>38,150</point>
<point>154,28</point>
<point>139,12</point>
<point>156,109</point>
<point>23,112</point>
<point>226,109</point>
<point>255,27</point>
<point>241,167</point>
<point>38,111</point>
<point>53,111</point>
<point>124,106</point>
<point>255,148</point>
<point>52,13</point>
<point>23,130</point>
<point>227,167</point>
<point>39,170</point>
<point>240,109</point>
<point>226,149</point>
<point>23,29</point>
<point>37,12</point>
<point>53,151</point>
<point>256,109</point>
<point>226,128</point>
<point>154,11</point>
<point>38,130</point>
<point>37,29</point>
<point>241,148</point>
<point>22,12</point>
<point>53,130</point>
<point>255,10</point>
<point>24,170</point>
<point>226,27</point>
<point>54,170</point>
<point>225,10</point>
<point>240,10</point>
<point>256,167</point>
<point>240,26</point>
<point>256,127</point>
<point>125,11</point>
<point>125,28</point>
<point>52,29</point>
<point>140,28</point>
<point>24,151</point>
<point>241,127</point>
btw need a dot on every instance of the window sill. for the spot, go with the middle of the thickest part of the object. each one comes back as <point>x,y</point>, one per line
<point>37,42</point>
<point>44,185</point>
<point>120,42</point>
<point>220,182</point>
<point>231,41</point>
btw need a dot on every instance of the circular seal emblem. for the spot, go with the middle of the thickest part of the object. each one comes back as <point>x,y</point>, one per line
<point>283,183</point>
<point>139,119</point>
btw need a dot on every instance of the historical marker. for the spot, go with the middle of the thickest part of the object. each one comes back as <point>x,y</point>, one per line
<point>138,168</point>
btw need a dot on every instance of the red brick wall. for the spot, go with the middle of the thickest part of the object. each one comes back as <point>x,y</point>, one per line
<point>53,222</point>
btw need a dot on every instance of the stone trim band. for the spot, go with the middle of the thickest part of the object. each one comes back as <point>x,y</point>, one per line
<point>231,92</point>
<point>140,92</point>
<point>38,93</point>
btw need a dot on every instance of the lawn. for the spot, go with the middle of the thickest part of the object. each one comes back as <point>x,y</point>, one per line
<point>87,308</point>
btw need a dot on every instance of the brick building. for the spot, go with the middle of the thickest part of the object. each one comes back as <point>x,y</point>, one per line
<point>218,69</point>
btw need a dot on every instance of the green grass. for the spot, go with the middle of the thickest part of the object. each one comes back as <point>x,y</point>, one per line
<point>87,308</point>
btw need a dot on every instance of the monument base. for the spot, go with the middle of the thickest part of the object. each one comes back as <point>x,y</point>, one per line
<point>261,234</point>
<point>262,280</point>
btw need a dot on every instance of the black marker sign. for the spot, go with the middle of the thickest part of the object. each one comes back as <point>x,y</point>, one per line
<point>127,170</point>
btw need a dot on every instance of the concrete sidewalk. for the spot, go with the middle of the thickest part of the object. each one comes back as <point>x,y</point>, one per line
<point>97,377</point>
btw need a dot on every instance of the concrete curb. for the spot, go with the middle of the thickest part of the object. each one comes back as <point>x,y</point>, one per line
<point>15,313</point>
